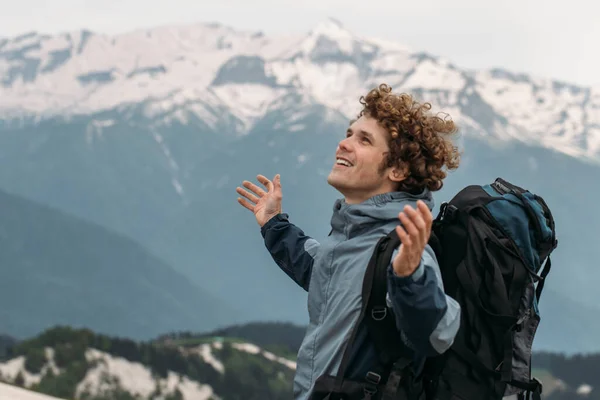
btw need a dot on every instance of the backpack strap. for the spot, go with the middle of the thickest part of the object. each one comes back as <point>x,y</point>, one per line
<point>379,319</point>
<point>540,285</point>
<point>374,313</point>
<point>402,381</point>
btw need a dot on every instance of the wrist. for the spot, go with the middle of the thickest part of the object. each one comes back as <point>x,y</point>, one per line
<point>403,271</point>
<point>280,217</point>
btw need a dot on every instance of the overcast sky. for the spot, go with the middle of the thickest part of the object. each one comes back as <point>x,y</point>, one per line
<point>548,38</point>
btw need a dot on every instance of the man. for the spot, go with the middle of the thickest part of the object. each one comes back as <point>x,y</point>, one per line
<point>386,168</point>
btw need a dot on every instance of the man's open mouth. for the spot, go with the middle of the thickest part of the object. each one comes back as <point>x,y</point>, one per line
<point>343,161</point>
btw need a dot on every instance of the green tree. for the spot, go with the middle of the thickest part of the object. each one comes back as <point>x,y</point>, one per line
<point>35,359</point>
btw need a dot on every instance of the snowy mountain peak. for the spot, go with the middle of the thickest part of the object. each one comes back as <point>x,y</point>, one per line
<point>213,73</point>
<point>331,28</point>
<point>329,41</point>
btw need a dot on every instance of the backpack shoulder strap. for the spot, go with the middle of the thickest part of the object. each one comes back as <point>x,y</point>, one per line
<point>373,307</point>
<point>379,319</point>
<point>380,323</point>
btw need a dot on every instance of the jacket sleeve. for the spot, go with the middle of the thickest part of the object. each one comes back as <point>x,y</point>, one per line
<point>427,318</point>
<point>290,248</point>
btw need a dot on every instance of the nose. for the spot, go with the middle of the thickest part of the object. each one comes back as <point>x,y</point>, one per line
<point>344,145</point>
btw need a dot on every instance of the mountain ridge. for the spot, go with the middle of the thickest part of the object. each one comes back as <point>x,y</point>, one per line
<point>229,365</point>
<point>176,72</point>
<point>58,268</point>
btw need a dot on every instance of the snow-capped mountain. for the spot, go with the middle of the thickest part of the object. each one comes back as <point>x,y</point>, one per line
<point>149,133</point>
<point>210,72</point>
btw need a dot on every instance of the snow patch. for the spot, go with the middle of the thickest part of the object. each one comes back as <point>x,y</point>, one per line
<point>433,76</point>
<point>173,165</point>
<point>333,30</point>
<point>205,351</point>
<point>10,392</point>
<point>584,390</point>
<point>253,349</point>
<point>288,363</point>
<point>135,378</point>
<point>248,101</point>
<point>10,369</point>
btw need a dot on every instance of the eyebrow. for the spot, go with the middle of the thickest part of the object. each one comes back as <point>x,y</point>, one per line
<point>364,133</point>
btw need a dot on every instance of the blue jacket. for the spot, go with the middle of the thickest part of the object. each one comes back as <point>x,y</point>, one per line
<point>332,272</point>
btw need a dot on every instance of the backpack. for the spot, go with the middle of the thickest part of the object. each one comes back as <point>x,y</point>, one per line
<point>493,244</point>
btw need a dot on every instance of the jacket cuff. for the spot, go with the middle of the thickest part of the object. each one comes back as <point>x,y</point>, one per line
<point>405,280</point>
<point>274,220</point>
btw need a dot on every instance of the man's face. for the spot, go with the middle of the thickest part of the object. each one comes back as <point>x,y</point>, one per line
<point>357,172</point>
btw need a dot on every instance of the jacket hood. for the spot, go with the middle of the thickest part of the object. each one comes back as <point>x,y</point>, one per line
<point>381,209</point>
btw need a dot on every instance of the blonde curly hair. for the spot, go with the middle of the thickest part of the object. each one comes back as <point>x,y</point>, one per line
<point>419,143</point>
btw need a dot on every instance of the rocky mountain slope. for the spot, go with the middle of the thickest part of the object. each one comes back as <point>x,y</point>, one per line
<point>148,133</point>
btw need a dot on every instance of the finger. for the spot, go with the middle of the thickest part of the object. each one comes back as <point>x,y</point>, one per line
<point>419,222</point>
<point>410,227</point>
<point>403,236</point>
<point>266,182</point>
<point>277,182</point>
<point>425,213</point>
<point>415,217</point>
<point>246,204</point>
<point>251,186</point>
<point>277,185</point>
<point>247,195</point>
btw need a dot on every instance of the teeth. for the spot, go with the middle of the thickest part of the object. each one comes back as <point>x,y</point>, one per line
<point>343,162</point>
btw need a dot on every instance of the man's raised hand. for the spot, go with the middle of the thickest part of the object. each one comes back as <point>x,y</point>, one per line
<point>264,205</point>
<point>414,234</point>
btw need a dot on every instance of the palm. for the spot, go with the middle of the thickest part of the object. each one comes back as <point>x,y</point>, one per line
<point>264,204</point>
<point>414,234</point>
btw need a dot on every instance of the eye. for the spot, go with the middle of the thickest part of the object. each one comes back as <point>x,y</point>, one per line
<point>365,140</point>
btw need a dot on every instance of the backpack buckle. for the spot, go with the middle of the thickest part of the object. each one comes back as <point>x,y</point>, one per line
<point>378,313</point>
<point>447,210</point>
<point>373,380</point>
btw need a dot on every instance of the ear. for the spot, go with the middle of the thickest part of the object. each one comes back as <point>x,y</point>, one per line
<point>397,174</point>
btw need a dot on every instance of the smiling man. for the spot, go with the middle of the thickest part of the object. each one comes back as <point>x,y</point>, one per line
<point>392,158</point>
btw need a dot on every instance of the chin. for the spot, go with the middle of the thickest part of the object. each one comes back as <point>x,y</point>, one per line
<point>336,183</point>
<point>331,181</point>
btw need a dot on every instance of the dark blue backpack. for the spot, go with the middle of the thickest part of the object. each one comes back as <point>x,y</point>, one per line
<point>493,245</point>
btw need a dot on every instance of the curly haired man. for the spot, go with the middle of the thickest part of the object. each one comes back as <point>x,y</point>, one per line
<point>392,158</point>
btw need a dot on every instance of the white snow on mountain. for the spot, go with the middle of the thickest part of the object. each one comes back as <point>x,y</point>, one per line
<point>107,371</point>
<point>135,378</point>
<point>212,72</point>
<point>11,392</point>
<point>10,370</point>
